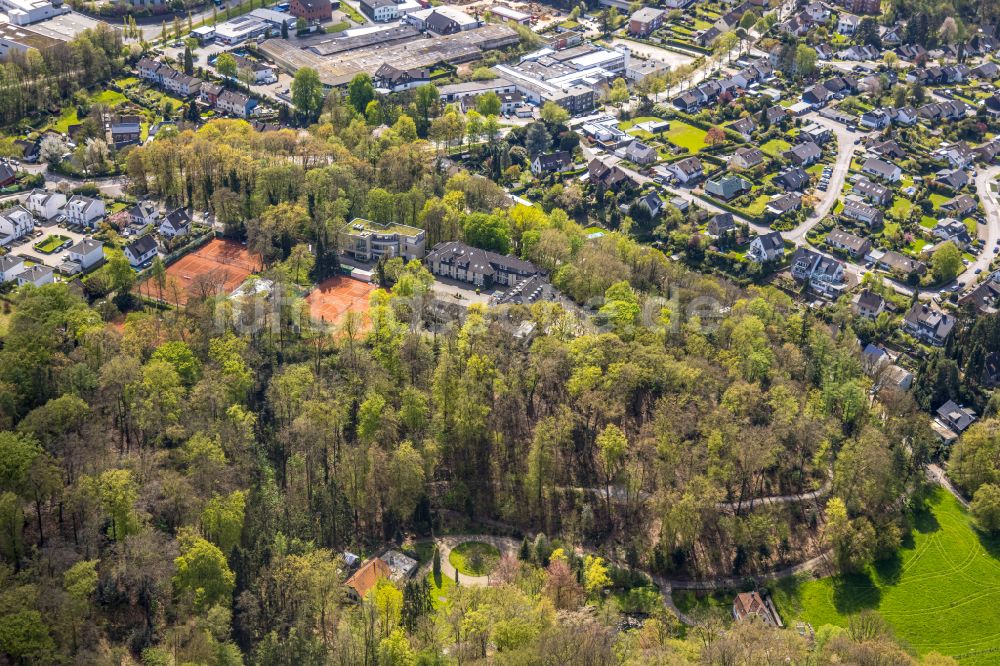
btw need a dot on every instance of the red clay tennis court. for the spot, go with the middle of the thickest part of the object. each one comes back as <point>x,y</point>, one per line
<point>337,295</point>
<point>219,266</point>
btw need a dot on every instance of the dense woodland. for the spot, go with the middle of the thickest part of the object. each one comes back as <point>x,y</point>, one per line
<point>176,485</point>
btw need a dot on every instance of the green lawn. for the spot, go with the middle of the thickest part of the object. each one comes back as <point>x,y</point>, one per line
<point>940,592</point>
<point>439,594</point>
<point>775,147</point>
<point>474,558</point>
<point>901,207</point>
<point>126,82</point>
<point>686,136</point>
<point>50,244</point>
<point>108,98</point>
<point>916,247</point>
<point>66,118</point>
<point>757,206</point>
<point>927,222</point>
<point>937,200</point>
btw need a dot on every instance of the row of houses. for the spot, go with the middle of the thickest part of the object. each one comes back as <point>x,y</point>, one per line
<point>226,101</point>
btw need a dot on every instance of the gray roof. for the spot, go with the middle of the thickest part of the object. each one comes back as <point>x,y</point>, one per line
<point>86,246</point>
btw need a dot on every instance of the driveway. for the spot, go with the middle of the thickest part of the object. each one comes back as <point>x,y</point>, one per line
<point>672,58</point>
<point>56,258</point>
<point>842,165</point>
<point>985,176</point>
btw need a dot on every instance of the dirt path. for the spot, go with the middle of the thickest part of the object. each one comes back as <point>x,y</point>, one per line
<point>445,544</point>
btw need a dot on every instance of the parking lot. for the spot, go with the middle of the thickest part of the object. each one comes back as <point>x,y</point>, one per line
<point>25,247</point>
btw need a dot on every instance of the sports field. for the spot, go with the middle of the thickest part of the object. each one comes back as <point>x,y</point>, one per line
<point>940,594</point>
<point>219,266</point>
<point>337,295</point>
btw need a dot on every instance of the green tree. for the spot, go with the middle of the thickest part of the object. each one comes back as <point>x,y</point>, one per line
<point>307,93</point>
<point>946,262</point>
<point>805,60</point>
<point>595,575</point>
<point>188,61</point>
<point>225,65</point>
<point>118,492</point>
<point>488,104</point>
<point>537,139</point>
<point>487,231</point>
<point>222,519</point>
<point>178,354</point>
<point>360,91</point>
<point>553,114</point>
<point>24,636</point>
<point>202,572</point>
<point>985,507</point>
<point>618,94</point>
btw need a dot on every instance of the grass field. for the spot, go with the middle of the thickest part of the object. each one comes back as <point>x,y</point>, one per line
<point>109,98</point>
<point>50,244</point>
<point>901,207</point>
<point>439,594</point>
<point>474,558</point>
<point>686,136</point>
<point>775,147</point>
<point>940,592</point>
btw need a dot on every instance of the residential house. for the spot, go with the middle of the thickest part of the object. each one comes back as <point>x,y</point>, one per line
<point>817,12</point>
<point>815,132</point>
<point>652,203</point>
<point>928,324</point>
<point>84,211</point>
<point>37,275</point>
<point>708,37</point>
<point>747,604</point>
<point>985,297</point>
<point>311,10</point>
<point>209,93</point>
<point>380,11</point>
<point>88,253</point>
<point>855,246</point>
<point>950,229</point>
<point>638,152</point>
<point>886,149</point>
<point>400,566</point>
<point>905,116</point>
<point>142,216</point>
<point>645,21</point>
<point>988,71</point>
<point>911,52</point>
<point>728,187</point>
<point>476,266</point>
<point>862,212</point>
<point>776,114</point>
<point>873,192</point>
<point>804,154</point>
<point>254,71</point>
<point>610,177</point>
<point>875,119</point>
<point>954,179</point>
<point>140,250</point>
<point>961,206</point>
<point>781,204</point>
<point>747,157</point>
<point>556,162</point>
<point>874,358</point>
<point>894,34</point>
<point>847,24</point>
<point>8,174</point>
<point>766,247</point>
<point>792,179</point>
<point>178,83</point>
<point>720,224</point>
<point>878,168</point>
<point>894,262</point>
<point>816,96</point>
<point>955,416</point>
<point>959,155</point>
<point>176,223</point>
<point>235,104</point>
<point>858,53</point>
<point>364,580</point>
<point>943,111</point>
<point>825,274</point>
<point>15,223</point>
<point>369,241</point>
<point>395,79</point>
<point>744,127</point>
<point>45,205</point>
<point>687,170</point>
<point>869,305</point>
<point>10,267</point>
<point>125,134</point>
